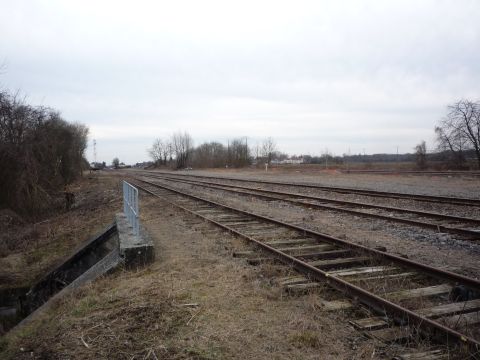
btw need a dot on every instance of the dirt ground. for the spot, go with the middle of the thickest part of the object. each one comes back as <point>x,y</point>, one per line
<point>196,301</point>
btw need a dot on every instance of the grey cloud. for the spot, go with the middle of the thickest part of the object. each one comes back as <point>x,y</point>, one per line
<point>313,74</point>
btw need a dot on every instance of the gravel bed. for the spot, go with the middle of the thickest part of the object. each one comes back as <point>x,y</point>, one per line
<point>447,209</point>
<point>424,185</point>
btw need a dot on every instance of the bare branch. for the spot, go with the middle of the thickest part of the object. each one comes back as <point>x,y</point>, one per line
<point>460,129</point>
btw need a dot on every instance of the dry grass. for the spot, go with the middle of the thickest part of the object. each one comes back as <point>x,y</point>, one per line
<point>28,251</point>
<point>106,320</point>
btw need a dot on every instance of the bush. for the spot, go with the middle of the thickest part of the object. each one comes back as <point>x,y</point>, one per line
<point>39,154</point>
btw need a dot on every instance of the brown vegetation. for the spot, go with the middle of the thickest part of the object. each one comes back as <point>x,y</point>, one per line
<point>40,153</point>
<point>28,251</point>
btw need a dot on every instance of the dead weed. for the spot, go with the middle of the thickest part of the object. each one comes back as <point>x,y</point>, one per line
<point>105,321</point>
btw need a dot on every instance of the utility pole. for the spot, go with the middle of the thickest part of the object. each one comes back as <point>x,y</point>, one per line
<point>326,158</point>
<point>246,150</point>
<point>348,159</point>
<point>94,153</point>
<point>228,153</point>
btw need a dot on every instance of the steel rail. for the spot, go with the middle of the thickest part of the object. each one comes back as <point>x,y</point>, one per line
<point>342,190</point>
<point>473,234</point>
<point>341,202</point>
<point>413,172</point>
<point>401,314</point>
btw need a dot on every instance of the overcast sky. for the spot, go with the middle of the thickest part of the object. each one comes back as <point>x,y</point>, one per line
<point>358,75</point>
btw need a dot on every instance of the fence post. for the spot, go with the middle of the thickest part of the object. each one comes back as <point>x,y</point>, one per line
<point>130,206</point>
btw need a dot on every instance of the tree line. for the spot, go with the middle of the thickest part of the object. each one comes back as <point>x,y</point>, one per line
<point>40,153</point>
<point>457,138</point>
<point>178,151</point>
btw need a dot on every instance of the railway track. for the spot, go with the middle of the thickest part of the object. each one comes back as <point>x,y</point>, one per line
<point>468,228</point>
<point>413,172</point>
<point>407,297</point>
<point>341,190</point>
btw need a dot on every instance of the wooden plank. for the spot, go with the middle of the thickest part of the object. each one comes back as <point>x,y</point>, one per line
<point>385,277</point>
<point>224,215</point>
<point>226,218</point>
<point>450,309</point>
<point>263,233</point>
<point>361,270</point>
<point>300,288</point>
<point>336,305</point>
<point>286,278</point>
<point>294,281</point>
<point>419,292</point>
<point>291,242</point>
<point>238,223</point>
<point>260,226</point>
<point>328,254</point>
<point>307,248</point>
<point>208,211</point>
<point>319,255</point>
<point>331,263</point>
<point>379,321</point>
<point>392,334</point>
<point>370,323</point>
<point>461,321</point>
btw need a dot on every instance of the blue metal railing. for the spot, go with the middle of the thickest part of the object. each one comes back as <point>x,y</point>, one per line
<point>130,206</point>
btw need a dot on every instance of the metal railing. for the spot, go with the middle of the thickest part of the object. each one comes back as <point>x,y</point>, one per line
<point>130,206</point>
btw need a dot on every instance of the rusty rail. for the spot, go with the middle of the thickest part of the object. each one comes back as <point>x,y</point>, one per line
<point>471,234</point>
<point>414,172</point>
<point>344,190</point>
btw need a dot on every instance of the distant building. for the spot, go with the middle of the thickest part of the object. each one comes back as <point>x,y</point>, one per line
<point>288,161</point>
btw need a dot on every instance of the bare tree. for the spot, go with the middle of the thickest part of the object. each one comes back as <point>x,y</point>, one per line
<point>166,151</point>
<point>163,151</point>
<point>421,155</point>
<point>116,163</point>
<point>256,151</point>
<point>182,145</point>
<point>157,150</point>
<point>460,129</point>
<point>169,151</point>
<point>268,148</point>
